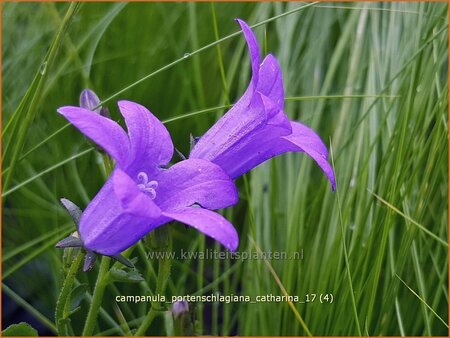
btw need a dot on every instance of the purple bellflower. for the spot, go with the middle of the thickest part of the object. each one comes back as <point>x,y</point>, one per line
<point>256,128</point>
<point>141,194</point>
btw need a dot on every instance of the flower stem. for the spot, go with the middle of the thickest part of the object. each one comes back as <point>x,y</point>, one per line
<point>164,265</point>
<point>62,305</point>
<point>99,290</point>
<point>102,277</point>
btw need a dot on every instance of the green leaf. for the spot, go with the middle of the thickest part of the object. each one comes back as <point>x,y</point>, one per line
<point>128,277</point>
<point>21,329</point>
<point>77,296</point>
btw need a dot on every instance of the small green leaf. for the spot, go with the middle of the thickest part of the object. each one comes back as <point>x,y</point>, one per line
<point>123,276</point>
<point>77,296</point>
<point>21,329</point>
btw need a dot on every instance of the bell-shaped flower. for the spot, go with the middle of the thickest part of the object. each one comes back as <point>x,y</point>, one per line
<point>256,128</point>
<point>141,194</point>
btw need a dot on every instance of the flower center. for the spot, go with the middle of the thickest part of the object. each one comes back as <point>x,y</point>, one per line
<point>146,186</point>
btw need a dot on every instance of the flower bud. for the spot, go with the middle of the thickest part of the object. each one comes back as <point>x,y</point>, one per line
<point>183,319</point>
<point>179,308</point>
<point>89,100</point>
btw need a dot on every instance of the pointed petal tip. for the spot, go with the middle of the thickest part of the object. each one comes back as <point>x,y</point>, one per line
<point>329,173</point>
<point>233,247</point>
<point>127,104</point>
<point>64,110</point>
<point>272,59</point>
<point>68,111</point>
<point>123,102</point>
<point>241,22</point>
<point>331,179</point>
<point>247,30</point>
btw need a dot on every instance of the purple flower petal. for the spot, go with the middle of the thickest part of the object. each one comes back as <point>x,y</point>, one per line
<point>250,114</point>
<point>103,131</point>
<point>151,145</point>
<point>270,82</point>
<point>210,223</point>
<point>89,100</point>
<point>253,48</point>
<point>236,121</point>
<point>267,144</point>
<point>132,200</point>
<point>108,229</point>
<point>243,150</point>
<point>257,150</point>
<point>195,182</point>
<point>305,139</point>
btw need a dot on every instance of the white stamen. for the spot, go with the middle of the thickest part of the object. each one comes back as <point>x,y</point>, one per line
<point>145,186</point>
<point>151,192</point>
<point>152,184</point>
<point>142,177</point>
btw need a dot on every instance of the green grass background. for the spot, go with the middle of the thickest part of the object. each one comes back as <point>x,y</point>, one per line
<point>371,78</point>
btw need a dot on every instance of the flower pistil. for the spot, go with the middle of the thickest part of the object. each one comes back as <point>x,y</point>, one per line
<point>146,186</point>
